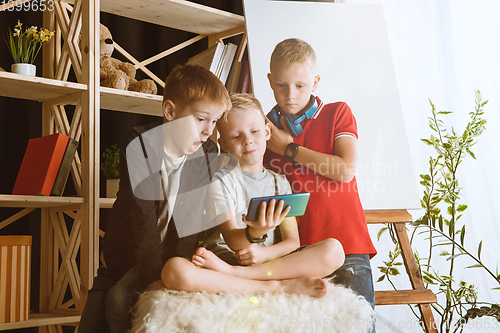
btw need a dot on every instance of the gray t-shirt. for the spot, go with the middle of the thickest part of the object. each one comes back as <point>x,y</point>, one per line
<point>231,191</point>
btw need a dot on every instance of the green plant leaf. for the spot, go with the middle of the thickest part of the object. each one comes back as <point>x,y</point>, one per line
<point>427,141</point>
<point>380,232</point>
<point>381,278</point>
<point>461,208</point>
<point>454,256</point>
<point>425,177</point>
<point>462,235</point>
<point>428,280</point>
<point>475,266</point>
<point>479,248</point>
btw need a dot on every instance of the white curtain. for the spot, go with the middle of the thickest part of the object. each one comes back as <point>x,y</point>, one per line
<point>444,50</point>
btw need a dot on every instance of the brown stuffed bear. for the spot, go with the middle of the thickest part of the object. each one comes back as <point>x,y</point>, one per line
<point>118,74</point>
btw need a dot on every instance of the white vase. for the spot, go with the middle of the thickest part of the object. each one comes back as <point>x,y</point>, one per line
<point>112,186</point>
<point>22,68</point>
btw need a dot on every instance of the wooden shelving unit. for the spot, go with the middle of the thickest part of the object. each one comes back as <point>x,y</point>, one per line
<point>34,201</point>
<point>61,275</point>
<point>37,88</point>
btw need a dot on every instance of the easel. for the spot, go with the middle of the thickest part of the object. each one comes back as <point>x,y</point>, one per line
<point>418,295</point>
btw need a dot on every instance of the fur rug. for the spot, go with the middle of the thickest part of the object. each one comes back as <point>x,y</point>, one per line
<point>340,311</point>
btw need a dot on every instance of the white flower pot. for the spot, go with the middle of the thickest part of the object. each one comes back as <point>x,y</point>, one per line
<point>26,69</point>
<point>112,186</point>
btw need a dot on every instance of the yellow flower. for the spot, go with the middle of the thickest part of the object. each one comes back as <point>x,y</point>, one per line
<point>17,32</point>
<point>19,24</point>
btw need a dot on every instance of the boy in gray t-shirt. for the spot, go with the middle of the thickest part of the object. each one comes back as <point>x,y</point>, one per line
<point>275,267</point>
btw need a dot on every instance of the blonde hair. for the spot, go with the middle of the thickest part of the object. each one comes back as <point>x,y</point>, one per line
<point>188,84</point>
<point>240,102</point>
<point>293,50</point>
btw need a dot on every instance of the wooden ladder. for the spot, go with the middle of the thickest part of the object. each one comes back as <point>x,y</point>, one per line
<point>418,295</point>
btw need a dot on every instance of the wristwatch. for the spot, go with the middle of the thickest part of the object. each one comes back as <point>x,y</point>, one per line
<point>252,240</point>
<point>290,153</point>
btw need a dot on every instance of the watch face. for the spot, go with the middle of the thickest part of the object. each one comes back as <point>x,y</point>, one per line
<point>291,150</point>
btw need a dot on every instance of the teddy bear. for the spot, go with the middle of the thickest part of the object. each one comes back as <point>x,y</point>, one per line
<point>117,74</point>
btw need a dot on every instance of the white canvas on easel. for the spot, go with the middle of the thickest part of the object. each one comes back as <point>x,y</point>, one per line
<point>355,63</point>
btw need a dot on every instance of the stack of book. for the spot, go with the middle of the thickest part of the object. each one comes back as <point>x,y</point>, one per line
<point>221,60</point>
<point>217,58</point>
<point>46,165</point>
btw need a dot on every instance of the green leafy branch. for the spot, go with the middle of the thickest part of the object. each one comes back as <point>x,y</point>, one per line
<point>441,188</point>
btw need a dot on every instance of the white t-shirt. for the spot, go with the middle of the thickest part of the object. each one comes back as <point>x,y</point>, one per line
<point>231,191</point>
<point>171,169</point>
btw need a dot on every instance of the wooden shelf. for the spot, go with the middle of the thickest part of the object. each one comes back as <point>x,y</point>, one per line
<point>130,101</point>
<point>106,202</point>
<point>414,296</point>
<point>36,88</point>
<point>41,319</point>
<point>178,14</point>
<point>388,216</point>
<point>41,89</point>
<point>35,201</point>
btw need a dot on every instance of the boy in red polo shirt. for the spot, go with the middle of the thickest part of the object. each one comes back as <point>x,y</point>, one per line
<point>314,145</point>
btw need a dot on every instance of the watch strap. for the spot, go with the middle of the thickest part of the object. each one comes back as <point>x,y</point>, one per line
<point>252,240</point>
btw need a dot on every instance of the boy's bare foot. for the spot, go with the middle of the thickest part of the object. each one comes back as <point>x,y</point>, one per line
<point>207,259</point>
<point>305,286</point>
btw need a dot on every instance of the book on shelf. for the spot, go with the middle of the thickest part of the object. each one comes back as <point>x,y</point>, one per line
<point>64,168</point>
<point>209,58</point>
<point>245,79</point>
<point>227,61</point>
<point>218,59</point>
<point>41,165</point>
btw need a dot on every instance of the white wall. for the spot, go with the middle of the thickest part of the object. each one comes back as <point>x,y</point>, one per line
<point>443,50</point>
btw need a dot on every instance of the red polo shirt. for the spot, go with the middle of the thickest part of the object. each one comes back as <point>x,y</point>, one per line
<point>334,209</point>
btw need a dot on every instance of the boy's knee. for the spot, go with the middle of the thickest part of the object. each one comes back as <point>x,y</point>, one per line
<point>334,252</point>
<point>175,274</point>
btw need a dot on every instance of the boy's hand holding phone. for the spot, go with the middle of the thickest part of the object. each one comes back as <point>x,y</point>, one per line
<point>268,218</point>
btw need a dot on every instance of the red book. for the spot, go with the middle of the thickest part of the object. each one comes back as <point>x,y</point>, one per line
<point>244,83</point>
<point>40,165</point>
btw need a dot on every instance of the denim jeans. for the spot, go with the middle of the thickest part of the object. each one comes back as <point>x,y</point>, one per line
<point>93,318</point>
<point>121,299</point>
<point>356,273</point>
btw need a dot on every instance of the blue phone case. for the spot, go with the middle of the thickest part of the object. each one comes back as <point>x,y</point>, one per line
<point>297,201</point>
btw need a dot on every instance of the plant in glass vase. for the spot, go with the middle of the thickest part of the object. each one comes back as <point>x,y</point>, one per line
<point>25,46</point>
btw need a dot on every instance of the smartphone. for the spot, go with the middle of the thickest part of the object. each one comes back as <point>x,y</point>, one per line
<point>297,201</point>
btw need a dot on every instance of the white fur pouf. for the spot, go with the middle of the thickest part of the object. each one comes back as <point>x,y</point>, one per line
<point>340,311</point>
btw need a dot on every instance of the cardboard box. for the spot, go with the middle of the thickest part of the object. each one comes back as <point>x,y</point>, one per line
<point>15,269</point>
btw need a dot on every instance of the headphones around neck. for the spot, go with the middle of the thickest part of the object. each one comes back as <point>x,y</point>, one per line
<point>293,120</point>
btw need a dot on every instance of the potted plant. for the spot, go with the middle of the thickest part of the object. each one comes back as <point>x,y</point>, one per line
<point>444,232</point>
<point>110,167</point>
<point>25,46</point>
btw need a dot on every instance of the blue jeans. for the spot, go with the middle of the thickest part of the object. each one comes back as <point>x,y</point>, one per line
<point>356,273</point>
<point>93,319</point>
<point>120,300</point>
